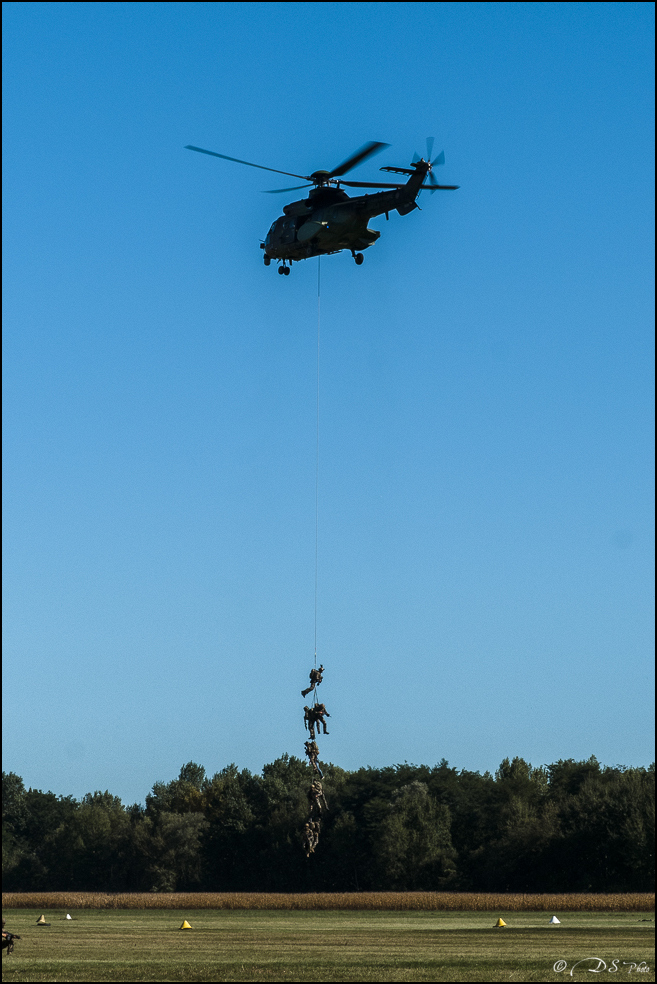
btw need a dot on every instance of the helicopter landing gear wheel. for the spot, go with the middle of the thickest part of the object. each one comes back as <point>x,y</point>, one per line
<point>267,260</point>
<point>286,271</point>
<point>358,258</point>
<point>281,270</point>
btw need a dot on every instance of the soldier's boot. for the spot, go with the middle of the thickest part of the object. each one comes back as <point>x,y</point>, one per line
<point>304,693</point>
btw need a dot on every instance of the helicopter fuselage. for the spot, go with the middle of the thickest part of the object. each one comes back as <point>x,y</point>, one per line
<point>329,220</point>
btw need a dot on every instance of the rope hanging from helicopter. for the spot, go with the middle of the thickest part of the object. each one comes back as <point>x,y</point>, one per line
<point>319,261</point>
<point>315,715</point>
<point>330,221</point>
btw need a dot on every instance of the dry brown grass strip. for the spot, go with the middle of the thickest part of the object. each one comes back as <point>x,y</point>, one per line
<point>396,901</point>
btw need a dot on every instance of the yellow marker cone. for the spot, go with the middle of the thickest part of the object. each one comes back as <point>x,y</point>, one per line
<point>185,925</point>
<point>41,921</point>
<point>500,922</point>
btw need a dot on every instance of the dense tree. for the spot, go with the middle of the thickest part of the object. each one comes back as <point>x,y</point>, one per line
<point>609,833</point>
<point>414,846</point>
<point>231,802</point>
<point>91,846</point>
<point>170,850</point>
<point>569,826</point>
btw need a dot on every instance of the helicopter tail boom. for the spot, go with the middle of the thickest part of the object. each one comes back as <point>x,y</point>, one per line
<point>401,198</point>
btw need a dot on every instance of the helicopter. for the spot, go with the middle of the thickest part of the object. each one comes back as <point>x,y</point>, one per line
<point>328,220</point>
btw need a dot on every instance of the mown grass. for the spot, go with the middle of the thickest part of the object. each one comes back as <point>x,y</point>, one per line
<point>224,945</point>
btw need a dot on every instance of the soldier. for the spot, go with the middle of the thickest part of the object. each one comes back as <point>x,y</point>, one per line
<point>314,829</point>
<point>315,680</point>
<point>309,721</point>
<point>313,801</point>
<point>8,938</point>
<point>308,839</point>
<point>316,797</point>
<point>319,711</point>
<point>312,751</point>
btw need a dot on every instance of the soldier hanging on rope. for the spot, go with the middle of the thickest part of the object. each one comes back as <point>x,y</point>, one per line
<point>315,680</point>
<point>315,716</point>
<point>319,711</point>
<point>314,829</point>
<point>308,840</point>
<point>312,751</point>
<point>309,721</point>
<point>316,797</point>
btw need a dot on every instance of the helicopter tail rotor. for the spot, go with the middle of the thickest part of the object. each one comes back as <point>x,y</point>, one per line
<point>432,184</point>
<point>430,142</point>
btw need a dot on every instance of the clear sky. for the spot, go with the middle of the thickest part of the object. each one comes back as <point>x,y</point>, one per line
<point>485,540</point>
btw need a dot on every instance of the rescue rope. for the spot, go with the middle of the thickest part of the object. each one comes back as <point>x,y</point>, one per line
<point>312,721</point>
<point>317,454</point>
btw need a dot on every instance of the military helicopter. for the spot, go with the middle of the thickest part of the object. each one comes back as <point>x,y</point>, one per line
<point>328,220</point>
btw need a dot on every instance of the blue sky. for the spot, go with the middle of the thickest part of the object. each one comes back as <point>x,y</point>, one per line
<point>485,538</point>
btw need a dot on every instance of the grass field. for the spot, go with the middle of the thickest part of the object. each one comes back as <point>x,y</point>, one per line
<point>279,945</point>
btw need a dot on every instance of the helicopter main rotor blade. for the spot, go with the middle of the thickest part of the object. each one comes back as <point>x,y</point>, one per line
<point>212,153</point>
<point>370,184</point>
<point>275,191</point>
<point>373,147</point>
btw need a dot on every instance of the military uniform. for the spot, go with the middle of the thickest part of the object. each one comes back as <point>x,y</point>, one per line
<point>314,831</point>
<point>8,938</point>
<point>316,797</point>
<point>308,839</point>
<point>319,711</point>
<point>309,720</point>
<point>315,680</point>
<point>312,751</point>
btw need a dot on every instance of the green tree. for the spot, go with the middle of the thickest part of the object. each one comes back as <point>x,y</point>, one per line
<point>34,864</point>
<point>93,847</point>
<point>229,841</point>
<point>14,818</point>
<point>414,849</point>
<point>181,795</point>
<point>170,848</point>
<point>609,833</point>
<point>566,777</point>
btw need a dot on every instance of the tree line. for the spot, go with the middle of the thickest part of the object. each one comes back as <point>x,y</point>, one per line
<point>574,826</point>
